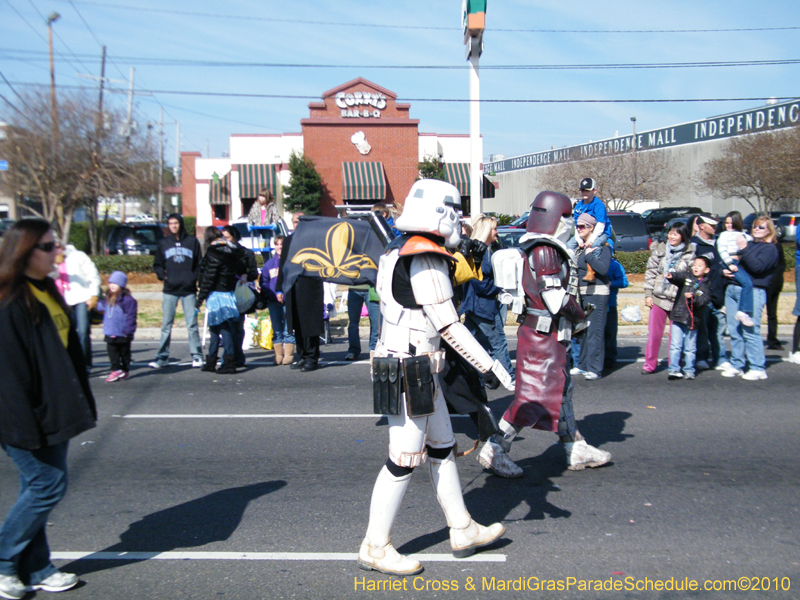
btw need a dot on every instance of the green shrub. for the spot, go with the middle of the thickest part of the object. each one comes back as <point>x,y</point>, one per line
<point>141,264</point>
<point>191,225</point>
<point>79,236</point>
<point>634,262</point>
<point>789,254</point>
<point>504,220</point>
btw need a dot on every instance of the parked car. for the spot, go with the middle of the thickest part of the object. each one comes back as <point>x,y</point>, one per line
<point>134,238</point>
<point>786,227</point>
<point>509,236</point>
<point>521,221</point>
<point>656,219</point>
<point>259,240</point>
<point>775,215</point>
<point>630,232</point>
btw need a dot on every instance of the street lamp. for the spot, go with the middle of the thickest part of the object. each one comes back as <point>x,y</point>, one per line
<point>52,18</point>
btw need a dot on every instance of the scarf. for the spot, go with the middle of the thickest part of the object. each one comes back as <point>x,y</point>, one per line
<point>671,257</point>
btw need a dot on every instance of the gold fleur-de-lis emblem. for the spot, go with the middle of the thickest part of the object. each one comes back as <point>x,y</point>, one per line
<point>338,259</point>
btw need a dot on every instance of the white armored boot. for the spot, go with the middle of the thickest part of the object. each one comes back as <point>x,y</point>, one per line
<point>377,552</point>
<point>581,455</point>
<point>465,534</point>
<point>494,454</point>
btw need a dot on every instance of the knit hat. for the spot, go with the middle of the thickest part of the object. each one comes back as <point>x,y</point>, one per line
<point>587,219</point>
<point>119,278</point>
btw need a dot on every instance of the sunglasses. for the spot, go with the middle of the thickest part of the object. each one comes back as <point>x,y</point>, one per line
<point>47,246</point>
<point>759,226</point>
<point>583,227</point>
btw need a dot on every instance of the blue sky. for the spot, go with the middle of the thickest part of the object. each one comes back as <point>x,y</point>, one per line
<point>348,39</point>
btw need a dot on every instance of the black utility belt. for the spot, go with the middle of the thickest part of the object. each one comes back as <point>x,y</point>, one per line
<point>412,376</point>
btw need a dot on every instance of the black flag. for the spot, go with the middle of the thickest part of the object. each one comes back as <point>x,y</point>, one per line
<point>343,251</point>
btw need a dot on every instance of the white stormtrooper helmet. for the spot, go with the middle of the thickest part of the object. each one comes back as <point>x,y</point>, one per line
<point>432,207</point>
<point>565,230</point>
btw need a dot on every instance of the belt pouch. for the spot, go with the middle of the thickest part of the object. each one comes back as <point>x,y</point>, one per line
<point>386,386</point>
<point>418,386</point>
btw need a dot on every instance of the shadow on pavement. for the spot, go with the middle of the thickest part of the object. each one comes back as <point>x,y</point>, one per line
<point>212,518</point>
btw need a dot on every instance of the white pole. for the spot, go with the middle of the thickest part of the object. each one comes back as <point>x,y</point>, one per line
<point>475,173</point>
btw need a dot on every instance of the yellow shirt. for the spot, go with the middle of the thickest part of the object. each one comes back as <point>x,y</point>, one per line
<point>60,318</point>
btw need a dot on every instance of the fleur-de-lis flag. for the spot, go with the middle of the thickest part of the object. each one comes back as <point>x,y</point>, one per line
<point>343,251</point>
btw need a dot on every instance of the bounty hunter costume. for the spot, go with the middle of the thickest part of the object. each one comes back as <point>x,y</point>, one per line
<point>416,293</point>
<point>543,274</point>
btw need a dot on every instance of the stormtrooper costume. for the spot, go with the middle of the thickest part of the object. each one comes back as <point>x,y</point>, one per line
<point>414,285</point>
<point>540,279</point>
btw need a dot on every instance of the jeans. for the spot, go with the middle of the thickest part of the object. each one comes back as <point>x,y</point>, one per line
<point>43,482</point>
<point>612,327</point>
<point>746,342</point>
<point>746,297</point>
<point>682,341</point>
<point>355,300</point>
<point>83,325</point>
<point>224,330</point>
<point>593,345</point>
<point>169,304</point>
<point>490,338</point>
<point>280,331</point>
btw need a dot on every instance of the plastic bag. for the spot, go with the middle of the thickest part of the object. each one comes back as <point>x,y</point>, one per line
<point>245,297</point>
<point>631,314</point>
<point>265,332</point>
<point>250,325</point>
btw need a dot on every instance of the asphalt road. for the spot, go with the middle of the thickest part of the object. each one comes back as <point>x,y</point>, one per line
<point>257,486</point>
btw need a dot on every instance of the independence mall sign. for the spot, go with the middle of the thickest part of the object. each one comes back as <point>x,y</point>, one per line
<point>776,116</point>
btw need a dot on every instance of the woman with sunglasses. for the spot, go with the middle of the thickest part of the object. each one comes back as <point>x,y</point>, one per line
<point>45,400</point>
<point>758,259</point>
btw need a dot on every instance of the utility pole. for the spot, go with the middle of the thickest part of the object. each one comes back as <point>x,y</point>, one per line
<point>635,183</point>
<point>474,23</point>
<point>161,166</point>
<point>54,16</point>
<point>128,133</point>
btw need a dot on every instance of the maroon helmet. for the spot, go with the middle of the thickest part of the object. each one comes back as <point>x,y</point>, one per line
<point>549,209</point>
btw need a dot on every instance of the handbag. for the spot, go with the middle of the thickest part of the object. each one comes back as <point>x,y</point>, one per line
<point>245,297</point>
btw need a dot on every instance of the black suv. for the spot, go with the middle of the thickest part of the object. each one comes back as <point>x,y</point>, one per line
<point>630,232</point>
<point>658,218</point>
<point>134,238</point>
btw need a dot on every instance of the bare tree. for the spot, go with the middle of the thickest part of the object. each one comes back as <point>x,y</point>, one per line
<point>623,180</point>
<point>85,162</point>
<point>762,169</point>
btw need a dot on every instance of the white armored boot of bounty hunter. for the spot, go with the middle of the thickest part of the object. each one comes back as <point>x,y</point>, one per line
<point>465,534</point>
<point>377,552</point>
<point>581,455</point>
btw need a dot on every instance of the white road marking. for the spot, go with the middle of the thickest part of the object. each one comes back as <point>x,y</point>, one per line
<point>257,416</point>
<point>276,556</point>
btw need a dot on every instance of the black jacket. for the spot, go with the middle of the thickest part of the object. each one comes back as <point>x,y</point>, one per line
<point>759,259</point>
<point>176,262</point>
<point>687,310</point>
<point>220,268</point>
<point>45,398</point>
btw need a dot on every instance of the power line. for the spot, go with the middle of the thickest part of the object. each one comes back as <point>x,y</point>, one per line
<point>177,62</point>
<point>272,19</point>
<point>455,100</point>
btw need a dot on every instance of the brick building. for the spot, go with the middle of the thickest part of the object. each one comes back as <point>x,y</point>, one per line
<point>365,145</point>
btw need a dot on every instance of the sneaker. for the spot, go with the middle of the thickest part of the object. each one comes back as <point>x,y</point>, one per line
<point>794,358</point>
<point>11,587</point>
<point>744,319</point>
<point>732,372</point>
<point>494,458</point>
<point>688,376</point>
<point>351,356</point>
<point>114,376</point>
<point>197,362</point>
<point>725,366</point>
<point>754,375</point>
<point>589,376</point>
<point>575,371</point>
<point>160,364</point>
<point>581,455</point>
<point>674,375</point>
<point>57,582</point>
<point>702,365</point>
<point>125,375</point>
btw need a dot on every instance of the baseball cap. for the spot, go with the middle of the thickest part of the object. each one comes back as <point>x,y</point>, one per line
<point>707,220</point>
<point>588,184</point>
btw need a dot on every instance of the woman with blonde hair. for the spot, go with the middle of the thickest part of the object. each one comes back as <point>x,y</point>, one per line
<point>758,259</point>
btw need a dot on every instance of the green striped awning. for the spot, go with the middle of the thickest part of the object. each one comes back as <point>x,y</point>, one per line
<point>363,181</point>
<point>458,175</point>
<point>220,190</point>
<point>253,178</point>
